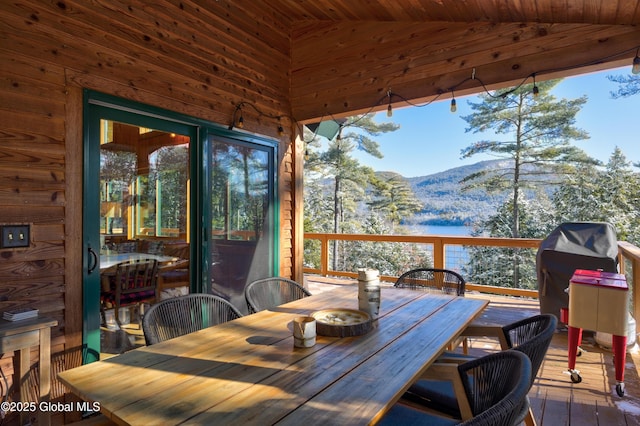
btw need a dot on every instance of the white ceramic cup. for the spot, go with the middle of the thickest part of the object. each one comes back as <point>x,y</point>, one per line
<point>304,332</point>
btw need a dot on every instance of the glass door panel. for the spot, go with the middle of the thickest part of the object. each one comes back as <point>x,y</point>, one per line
<point>144,200</point>
<point>242,217</point>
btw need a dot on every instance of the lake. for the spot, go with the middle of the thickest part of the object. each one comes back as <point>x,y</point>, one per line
<point>440,230</point>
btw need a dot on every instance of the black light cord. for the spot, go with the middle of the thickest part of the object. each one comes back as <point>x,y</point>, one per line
<point>389,95</point>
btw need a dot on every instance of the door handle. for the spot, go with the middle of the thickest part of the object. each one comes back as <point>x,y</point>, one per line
<point>94,255</point>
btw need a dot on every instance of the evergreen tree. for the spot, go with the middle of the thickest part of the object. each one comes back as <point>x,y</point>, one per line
<point>575,198</point>
<point>393,198</point>
<point>350,178</point>
<point>611,195</point>
<point>538,132</point>
<point>170,172</point>
<point>628,85</point>
<point>510,267</point>
<point>387,257</point>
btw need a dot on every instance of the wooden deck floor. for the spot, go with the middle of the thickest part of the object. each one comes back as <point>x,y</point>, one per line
<point>555,399</point>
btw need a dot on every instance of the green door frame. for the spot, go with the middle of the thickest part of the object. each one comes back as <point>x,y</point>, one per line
<point>102,106</point>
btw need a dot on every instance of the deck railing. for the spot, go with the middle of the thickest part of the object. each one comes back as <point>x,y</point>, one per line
<point>445,253</point>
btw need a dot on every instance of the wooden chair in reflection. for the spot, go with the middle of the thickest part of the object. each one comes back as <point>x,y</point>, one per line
<point>129,283</point>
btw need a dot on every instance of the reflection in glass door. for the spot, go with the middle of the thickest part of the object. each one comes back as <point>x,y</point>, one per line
<point>242,216</point>
<point>144,185</point>
<point>144,199</point>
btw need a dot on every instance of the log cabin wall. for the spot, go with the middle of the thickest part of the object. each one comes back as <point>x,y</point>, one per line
<point>170,54</point>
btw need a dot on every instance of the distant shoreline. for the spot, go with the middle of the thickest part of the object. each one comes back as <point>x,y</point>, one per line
<point>455,230</point>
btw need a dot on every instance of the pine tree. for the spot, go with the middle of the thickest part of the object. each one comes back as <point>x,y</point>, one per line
<point>393,198</point>
<point>610,195</point>
<point>510,267</point>
<point>350,178</point>
<point>628,85</point>
<point>538,131</point>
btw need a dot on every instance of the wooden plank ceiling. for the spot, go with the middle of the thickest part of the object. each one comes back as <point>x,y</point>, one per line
<point>348,56</point>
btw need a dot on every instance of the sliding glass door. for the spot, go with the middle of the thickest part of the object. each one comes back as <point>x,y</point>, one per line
<point>242,216</point>
<point>181,190</point>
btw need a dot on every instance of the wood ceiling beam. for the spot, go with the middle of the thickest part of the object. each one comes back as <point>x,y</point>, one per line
<point>352,74</point>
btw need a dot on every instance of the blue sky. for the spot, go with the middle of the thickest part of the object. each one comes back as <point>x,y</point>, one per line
<point>430,138</point>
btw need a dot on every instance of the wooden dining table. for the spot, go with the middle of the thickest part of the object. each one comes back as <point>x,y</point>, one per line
<point>111,260</point>
<point>247,371</point>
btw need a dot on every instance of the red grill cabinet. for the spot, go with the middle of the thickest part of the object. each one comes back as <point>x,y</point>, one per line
<point>598,301</point>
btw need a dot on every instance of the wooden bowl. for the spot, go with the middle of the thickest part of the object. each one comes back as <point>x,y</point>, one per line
<point>341,322</point>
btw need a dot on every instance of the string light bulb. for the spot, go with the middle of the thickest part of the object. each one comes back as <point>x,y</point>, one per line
<point>453,106</point>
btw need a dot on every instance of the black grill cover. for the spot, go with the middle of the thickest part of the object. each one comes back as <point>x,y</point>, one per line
<point>571,246</point>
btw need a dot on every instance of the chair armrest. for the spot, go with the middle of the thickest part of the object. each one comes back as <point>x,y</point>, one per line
<point>449,372</point>
<point>455,358</point>
<point>477,330</point>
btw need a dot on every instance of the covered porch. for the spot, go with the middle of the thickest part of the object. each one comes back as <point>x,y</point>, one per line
<point>259,70</point>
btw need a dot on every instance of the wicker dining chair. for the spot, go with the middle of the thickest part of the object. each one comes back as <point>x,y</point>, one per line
<point>432,280</point>
<point>271,292</point>
<point>530,336</point>
<point>185,314</point>
<point>492,389</point>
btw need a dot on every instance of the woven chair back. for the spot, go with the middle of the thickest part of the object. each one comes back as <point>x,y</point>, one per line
<point>496,386</point>
<point>432,280</point>
<point>532,336</point>
<point>268,293</point>
<point>185,314</point>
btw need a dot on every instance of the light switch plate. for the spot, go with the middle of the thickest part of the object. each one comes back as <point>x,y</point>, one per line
<point>14,236</point>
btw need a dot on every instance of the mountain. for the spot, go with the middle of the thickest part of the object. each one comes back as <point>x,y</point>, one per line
<point>445,203</point>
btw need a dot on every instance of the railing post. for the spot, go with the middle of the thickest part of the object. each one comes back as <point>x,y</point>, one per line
<point>630,255</point>
<point>324,255</point>
<point>635,272</point>
<point>438,254</point>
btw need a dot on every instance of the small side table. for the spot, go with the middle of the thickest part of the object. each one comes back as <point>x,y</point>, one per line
<point>21,336</point>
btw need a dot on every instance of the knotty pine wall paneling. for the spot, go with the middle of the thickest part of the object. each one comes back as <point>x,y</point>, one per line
<point>193,57</point>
